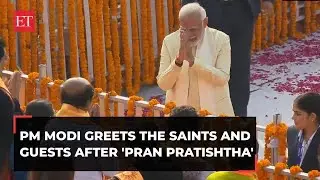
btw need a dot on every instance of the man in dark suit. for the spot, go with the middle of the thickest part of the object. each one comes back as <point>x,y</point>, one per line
<point>236,18</point>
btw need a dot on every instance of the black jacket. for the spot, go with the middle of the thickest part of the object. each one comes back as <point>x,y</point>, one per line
<point>311,160</point>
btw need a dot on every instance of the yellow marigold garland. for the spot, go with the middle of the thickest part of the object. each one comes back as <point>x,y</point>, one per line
<point>72,39</point>
<point>314,15</point>
<point>264,31</point>
<point>284,27</point>
<point>276,131</point>
<point>34,41</point>
<point>131,105</point>
<point>42,52</point>
<point>293,18</point>
<point>258,33</point>
<point>278,21</point>
<point>102,66</point>
<point>307,17</point>
<point>23,43</point>
<point>261,173</point>
<point>44,87</point>
<point>271,29</point>
<point>4,26</point>
<point>115,46</point>
<point>204,113</point>
<point>126,48</point>
<point>145,40</point>
<point>313,174</point>
<point>278,169</point>
<point>294,170</point>
<point>253,43</point>
<point>151,104</point>
<point>95,42</point>
<point>168,107</point>
<point>53,39</point>
<point>95,98</point>
<point>60,25</point>
<point>151,74</point>
<point>55,94</point>
<point>83,62</point>
<point>31,86</point>
<point>136,47</point>
<point>108,44</point>
<point>12,37</point>
<point>170,15</point>
<point>160,24</point>
<point>176,9</point>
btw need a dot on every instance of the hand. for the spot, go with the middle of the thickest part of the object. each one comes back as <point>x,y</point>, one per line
<point>267,7</point>
<point>14,84</point>
<point>183,42</point>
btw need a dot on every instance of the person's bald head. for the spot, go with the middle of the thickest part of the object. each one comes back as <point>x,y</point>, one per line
<point>77,92</point>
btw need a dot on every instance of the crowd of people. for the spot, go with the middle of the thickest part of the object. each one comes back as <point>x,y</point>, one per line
<point>200,68</point>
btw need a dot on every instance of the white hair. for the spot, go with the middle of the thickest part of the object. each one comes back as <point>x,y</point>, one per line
<point>192,9</point>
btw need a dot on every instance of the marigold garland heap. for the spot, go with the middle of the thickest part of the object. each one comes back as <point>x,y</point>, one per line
<point>261,173</point>
<point>102,64</point>
<point>279,167</point>
<point>53,39</point>
<point>313,174</point>
<point>294,170</point>
<point>108,45</point>
<point>136,47</point>
<point>131,105</point>
<point>44,87</point>
<point>115,46</point>
<point>82,41</point>
<point>168,107</point>
<point>72,39</point>
<point>151,104</point>
<point>204,113</point>
<point>31,86</point>
<point>126,48</point>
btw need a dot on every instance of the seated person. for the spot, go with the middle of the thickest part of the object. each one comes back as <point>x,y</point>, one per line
<point>304,137</point>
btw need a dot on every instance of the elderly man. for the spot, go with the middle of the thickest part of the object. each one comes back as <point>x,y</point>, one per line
<point>76,98</point>
<point>236,18</point>
<point>195,64</point>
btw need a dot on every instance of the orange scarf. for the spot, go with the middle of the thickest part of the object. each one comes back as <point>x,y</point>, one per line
<point>70,111</point>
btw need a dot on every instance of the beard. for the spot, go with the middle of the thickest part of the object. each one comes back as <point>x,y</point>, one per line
<point>197,42</point>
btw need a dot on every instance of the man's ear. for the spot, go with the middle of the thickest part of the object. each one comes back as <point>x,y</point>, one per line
<point>205,22</point>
